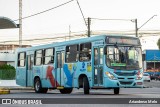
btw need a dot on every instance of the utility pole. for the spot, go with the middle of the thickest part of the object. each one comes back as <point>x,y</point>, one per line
<point>20,23</point>
<point>69,31</point>
<point>89,23</point>
<point>136,28</point>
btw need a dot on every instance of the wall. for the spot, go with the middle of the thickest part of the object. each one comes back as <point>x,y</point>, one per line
<point>7,57</point>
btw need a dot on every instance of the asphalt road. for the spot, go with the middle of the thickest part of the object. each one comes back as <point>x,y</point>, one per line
<point>152,84</point>
<point>77,95</point>
<point>124,93</point>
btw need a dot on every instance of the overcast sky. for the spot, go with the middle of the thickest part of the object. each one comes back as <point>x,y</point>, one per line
<point>59,19</point>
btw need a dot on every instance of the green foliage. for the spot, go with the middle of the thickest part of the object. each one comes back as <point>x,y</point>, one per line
<point>158,43</point>
<point>7,72</point>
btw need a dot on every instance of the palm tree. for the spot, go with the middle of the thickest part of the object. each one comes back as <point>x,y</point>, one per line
<point>158,43</point>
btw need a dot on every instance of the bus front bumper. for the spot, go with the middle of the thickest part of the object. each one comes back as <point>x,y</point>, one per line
<point>123,84</point>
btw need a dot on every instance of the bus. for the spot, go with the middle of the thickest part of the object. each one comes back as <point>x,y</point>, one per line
<point>98,62</point>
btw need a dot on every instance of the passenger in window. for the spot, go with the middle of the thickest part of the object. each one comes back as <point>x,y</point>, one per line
<point>89,56</point>
<point>123,58</point>
<point>108,62</point>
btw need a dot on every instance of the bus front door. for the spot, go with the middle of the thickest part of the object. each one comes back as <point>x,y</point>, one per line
<point>98,66</point>
<point>59,68</point>
<point>29,79</point>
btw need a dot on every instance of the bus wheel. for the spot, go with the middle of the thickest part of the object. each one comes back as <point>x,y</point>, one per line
<point>116,90</point>
<point>85,85</point>
<point>44,90</point>
<point>66,90</point>
<point>38,87</point>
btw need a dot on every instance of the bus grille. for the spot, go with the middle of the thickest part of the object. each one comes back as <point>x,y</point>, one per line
<point>125,83</point>
<point>124,74</point>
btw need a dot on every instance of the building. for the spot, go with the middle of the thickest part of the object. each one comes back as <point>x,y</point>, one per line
<point>7,53</point>
<point>151,60</point>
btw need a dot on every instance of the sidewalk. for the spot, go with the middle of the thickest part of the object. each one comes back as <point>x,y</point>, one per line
<point>11,85</point>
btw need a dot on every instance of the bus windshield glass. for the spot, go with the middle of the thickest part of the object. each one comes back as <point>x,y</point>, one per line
<point>124,57</point>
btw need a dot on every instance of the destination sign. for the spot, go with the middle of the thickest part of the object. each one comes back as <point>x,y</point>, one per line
<point>123,40</point>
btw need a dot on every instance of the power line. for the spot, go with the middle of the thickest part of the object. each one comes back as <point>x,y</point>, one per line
<point>45,10</point>
<point>40,12</point>
<point>81,12</point>
<point>113,19</point>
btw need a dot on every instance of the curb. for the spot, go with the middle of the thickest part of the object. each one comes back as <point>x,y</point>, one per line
<point>17,88</point>
<point>4,91</point>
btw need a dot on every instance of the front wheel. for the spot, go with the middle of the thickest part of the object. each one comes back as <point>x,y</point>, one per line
<point>116,90</point>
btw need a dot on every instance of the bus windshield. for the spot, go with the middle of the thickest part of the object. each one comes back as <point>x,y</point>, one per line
<point>123,57</point>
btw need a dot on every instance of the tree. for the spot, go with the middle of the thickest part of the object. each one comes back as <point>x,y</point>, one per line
<point>158,43</point>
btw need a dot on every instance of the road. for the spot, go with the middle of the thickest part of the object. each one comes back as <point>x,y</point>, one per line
<point>77,96</point>
<point>124,93</point>
<point>152,84</point>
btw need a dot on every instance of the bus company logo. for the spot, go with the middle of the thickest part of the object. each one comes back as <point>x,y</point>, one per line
<point>83,67</point>
<point>6,101</point>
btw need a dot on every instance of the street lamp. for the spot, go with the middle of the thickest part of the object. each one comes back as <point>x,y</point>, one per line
<point>136,28</point>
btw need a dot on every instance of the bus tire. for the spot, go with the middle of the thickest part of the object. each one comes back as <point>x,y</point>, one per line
<point>38,86</point>
<point>44,90</point>
<point>66,90</point>
<point>85,85</point>
<point>116,90</point>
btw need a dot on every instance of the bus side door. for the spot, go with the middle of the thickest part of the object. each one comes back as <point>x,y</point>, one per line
<point>21,72</point>
<point>29,74</point>
<point>98,66</point>
<point>60,56</point>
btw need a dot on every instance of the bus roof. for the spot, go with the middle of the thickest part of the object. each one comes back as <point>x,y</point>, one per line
<point>70,42</point>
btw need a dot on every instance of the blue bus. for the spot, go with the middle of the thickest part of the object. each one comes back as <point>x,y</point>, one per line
<point>98,62</point>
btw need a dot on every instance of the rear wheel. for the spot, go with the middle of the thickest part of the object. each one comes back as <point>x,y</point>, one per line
<point>66,90</point>
<point>44,90</point>
<point>116,90</point>
<point>38,86</point>
<point>85,85</point>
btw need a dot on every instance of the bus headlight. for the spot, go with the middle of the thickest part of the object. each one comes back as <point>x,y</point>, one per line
<point>111,76</point>
<point>139,75</point>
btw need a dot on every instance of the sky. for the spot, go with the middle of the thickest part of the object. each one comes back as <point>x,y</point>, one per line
<point>57,21</point>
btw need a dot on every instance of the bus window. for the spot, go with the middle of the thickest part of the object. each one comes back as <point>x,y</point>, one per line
<point>123,57</point>
<point>95,56</point>
<point>58,61</point>
<point>72,53</point>
<point>101,55</point>
<point>85,52</point>
<point>49,56</point>
<point>38,57</point>
<point>21,59</point>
